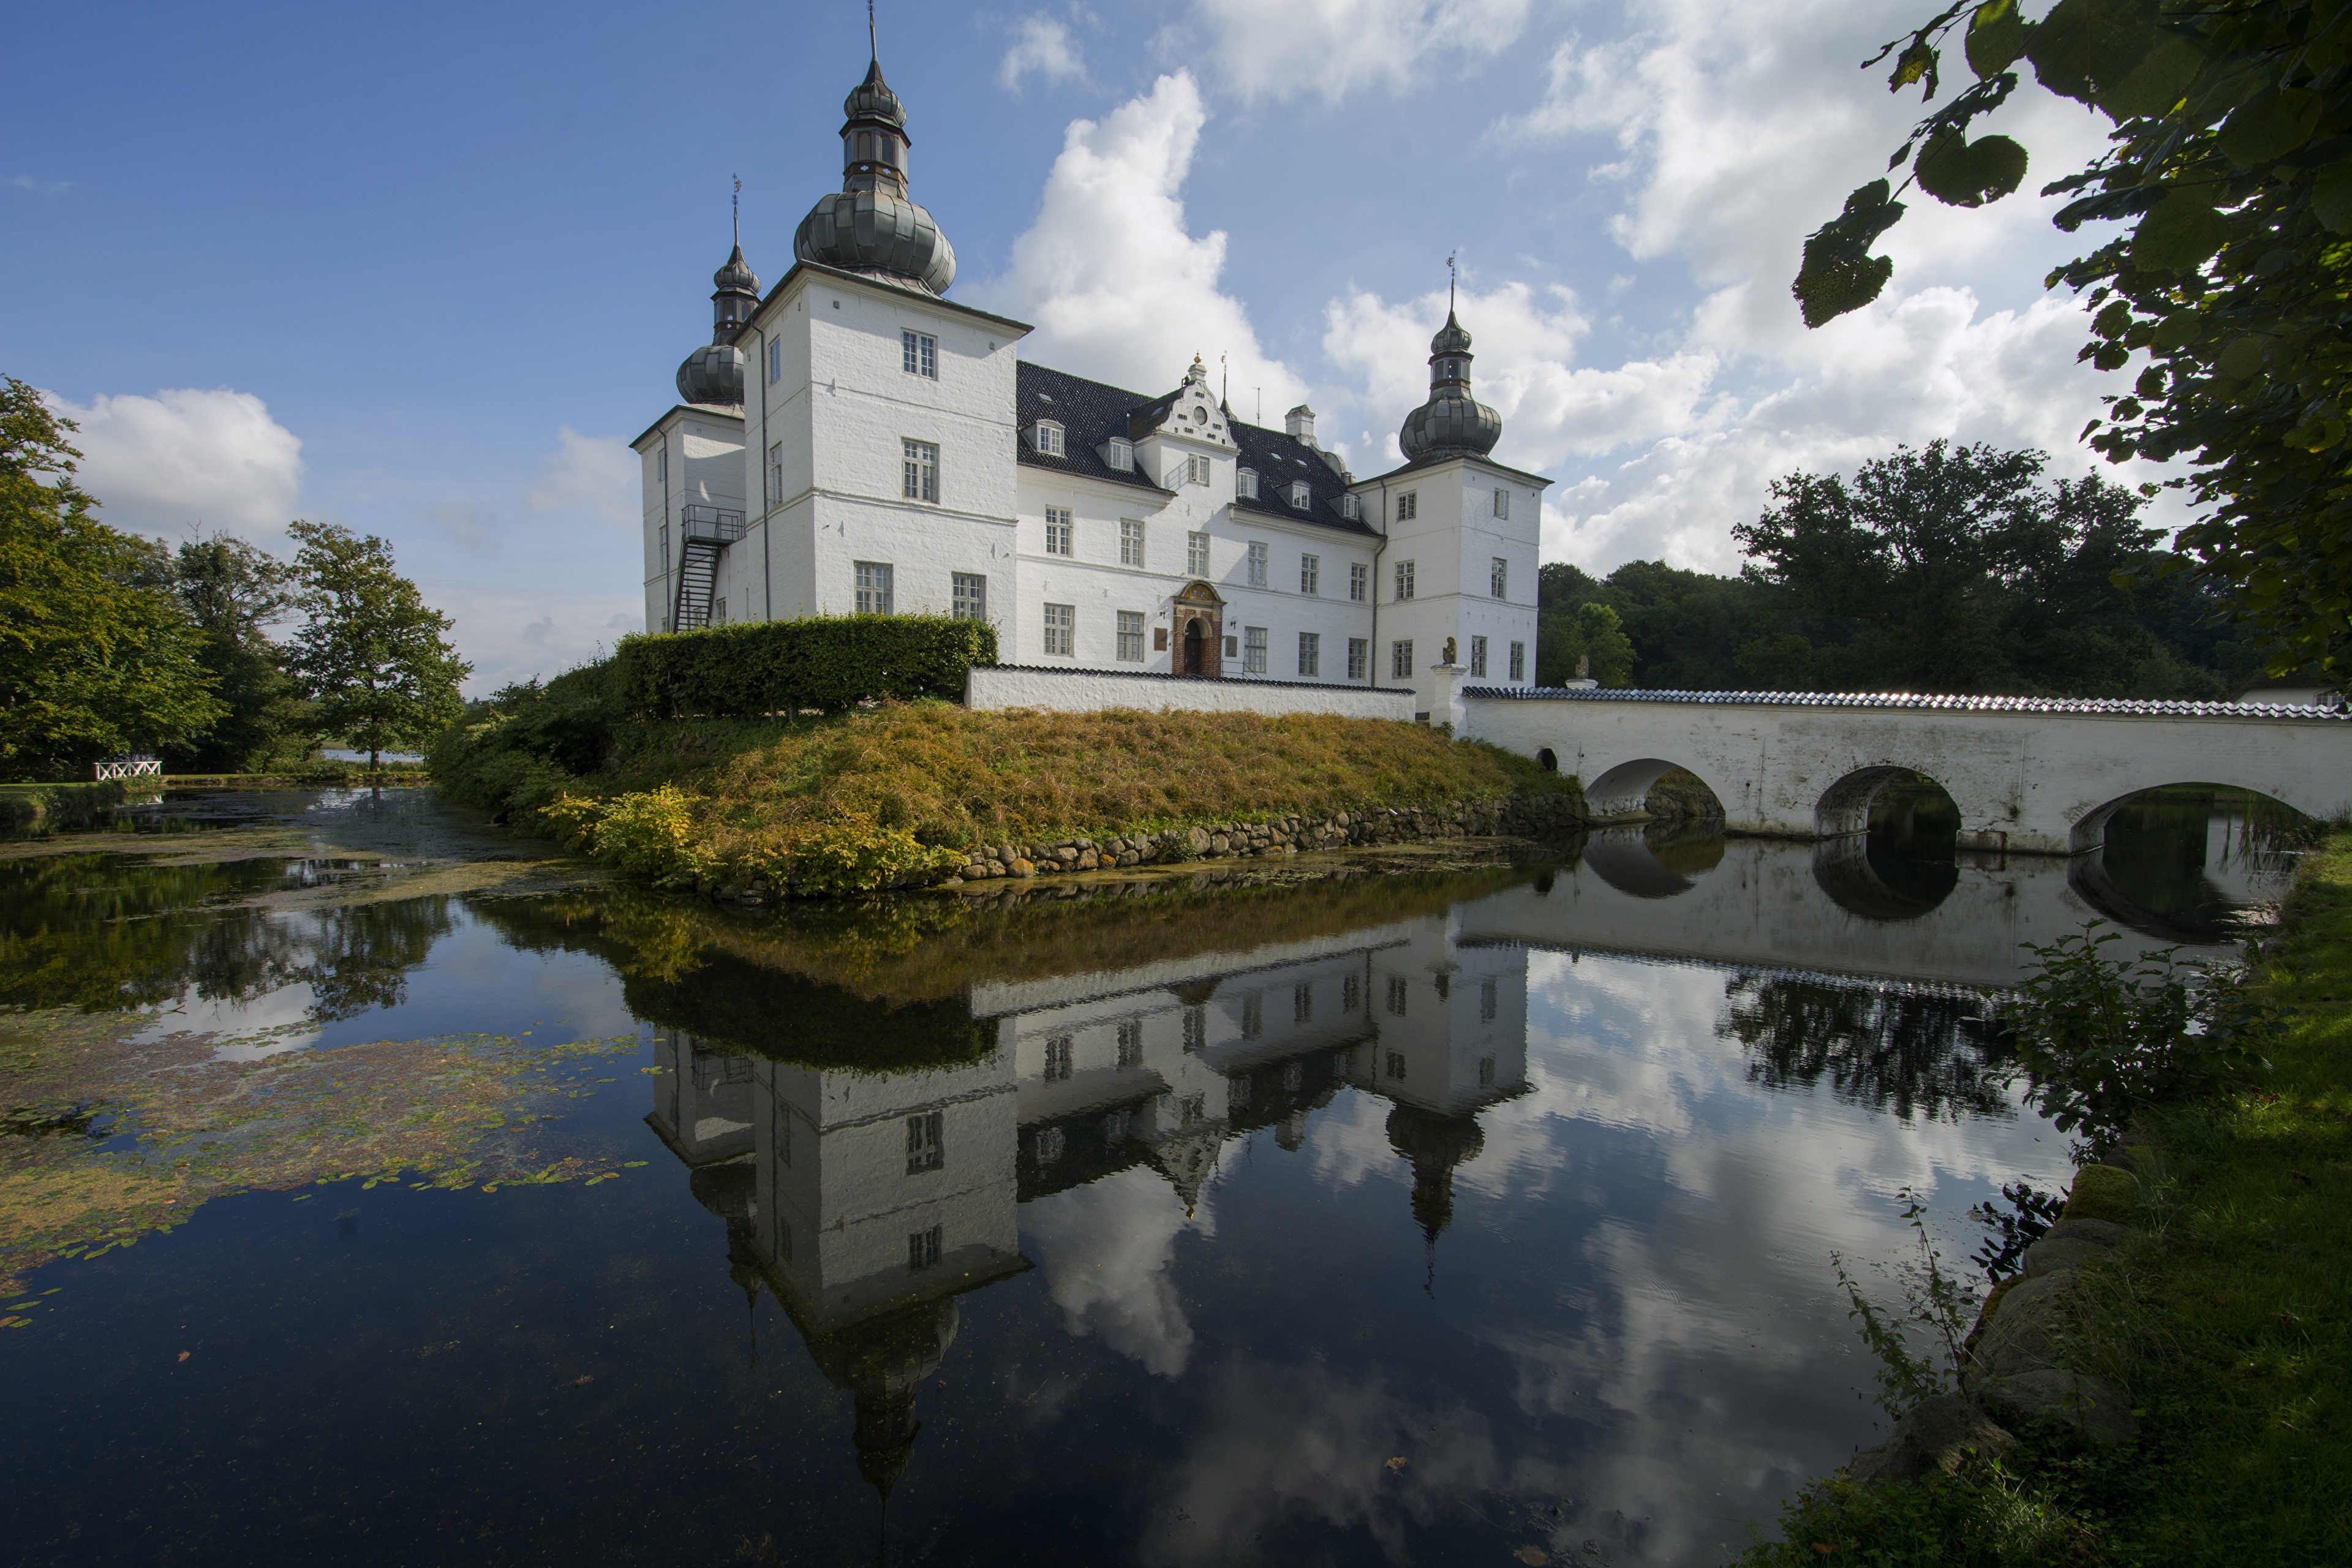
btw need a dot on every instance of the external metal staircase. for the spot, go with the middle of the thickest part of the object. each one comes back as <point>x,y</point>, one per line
<point>703,532</point>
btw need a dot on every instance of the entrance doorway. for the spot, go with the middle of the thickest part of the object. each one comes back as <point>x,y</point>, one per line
<point>1195,640</point>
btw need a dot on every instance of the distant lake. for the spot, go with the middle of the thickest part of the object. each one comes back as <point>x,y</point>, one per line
<point>379,1189</point>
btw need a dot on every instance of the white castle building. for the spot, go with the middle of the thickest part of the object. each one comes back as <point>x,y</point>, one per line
<point>854,442</point>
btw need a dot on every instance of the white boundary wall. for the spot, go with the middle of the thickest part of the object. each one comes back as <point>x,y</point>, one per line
<point>988,687</point>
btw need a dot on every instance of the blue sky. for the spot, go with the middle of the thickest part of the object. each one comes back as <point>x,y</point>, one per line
<point>422,271</point>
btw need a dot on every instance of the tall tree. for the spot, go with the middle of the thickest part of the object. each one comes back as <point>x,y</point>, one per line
<point>2228,175</point>
<point>97,656</point>
<point>372,654</point>
<point>233,591</point>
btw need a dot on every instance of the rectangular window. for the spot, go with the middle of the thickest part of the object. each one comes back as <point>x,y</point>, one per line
<point>1478,656</point>
<point>1130,1043</point>
<point>1196,554</point>
<point>1117,1126</point>
<point>1486,1072</point>
<point>1404,580</point>
<point>775,359</point>
<point>1498,578</point>
<point>1196,1029</point>
<point>921,481</point>
<point>1258,563</point>
<point>664,548</point>
<point>1359,582</point>
<point>661,464</point>
<point>920,354</point>
<point>1254,650</point>
<point>1359,657</point>
<point>1245,484</point>
<point>1047,1146</point>
<point>1121,455</point>
<point>1130,635</point>
<point>1502,507</point>
<point>926,1147</point>
<point>1396,1065</point>
<point>1400,659</point>
<point>1408,506</point>
<point>1130,542</point>
<point>1061,630</point>
<point>1351,993</point>
<point>1310,575</point>
<point>1302,1004</point>
<point>1311,652</point>
<point>971,600</point>
<point>923,1249</point>
<point>1490,1000</point>
<point>1397,994</point>
<point>1253,1017</point>
<point>1057,1058</point>
<point>874,587</point>
<point>1351,507</point>
<point>1057,531</point>
<point>1049,439</point>
<point>1518,662</point>
<point>1196,470</point>
<point>776,472</point>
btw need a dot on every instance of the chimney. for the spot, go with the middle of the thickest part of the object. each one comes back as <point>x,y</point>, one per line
<point>1300,422</point>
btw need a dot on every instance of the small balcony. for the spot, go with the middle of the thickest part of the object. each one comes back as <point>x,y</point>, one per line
<point>695,520</point>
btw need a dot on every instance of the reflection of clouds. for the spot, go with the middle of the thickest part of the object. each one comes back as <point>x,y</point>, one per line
<point>1278,1447</point>
<point>1694,1311</point>
<point>1106,1248</point>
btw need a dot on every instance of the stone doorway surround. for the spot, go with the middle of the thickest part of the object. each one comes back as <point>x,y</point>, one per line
<point>1196,601</point>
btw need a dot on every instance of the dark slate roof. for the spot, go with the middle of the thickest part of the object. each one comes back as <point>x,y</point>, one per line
<point>1918,700</point>
<point>1091,413</point>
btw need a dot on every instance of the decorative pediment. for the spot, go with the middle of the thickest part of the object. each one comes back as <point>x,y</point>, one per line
<point>1191,412</point>
<point>1199,593</point>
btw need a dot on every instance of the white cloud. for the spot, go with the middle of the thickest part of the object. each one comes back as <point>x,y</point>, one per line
<point>1117,287</point>
<point>514,635</point>
<point>1106,1248</point>
<point>593,474</point>
<point>162,464</point>
<point>1043,46</point>
<point>1330,48</point>
<point>467,525</point>
<point>1732,133</point>
<point>40,187</point>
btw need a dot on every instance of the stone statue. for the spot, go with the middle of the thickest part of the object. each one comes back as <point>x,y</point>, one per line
<point>1449,650</point>
<point>1583,667</point>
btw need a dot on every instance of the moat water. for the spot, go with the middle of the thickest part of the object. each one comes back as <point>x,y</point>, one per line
<point>371,1195</point>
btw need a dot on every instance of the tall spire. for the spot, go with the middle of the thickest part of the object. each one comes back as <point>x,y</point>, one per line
<point>715,374</point>
<point>1453,423</point>
<point>872,226</point>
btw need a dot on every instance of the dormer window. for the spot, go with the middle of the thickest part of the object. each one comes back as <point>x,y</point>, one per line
<point>1245,484</point>
<point>1046,436</point>
<point>1196,470</point>
<point>1299,494</point>
<point>1349,508</point>
<point>1121,455</point>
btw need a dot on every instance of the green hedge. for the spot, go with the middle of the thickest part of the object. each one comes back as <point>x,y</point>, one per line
<point>778,667</point>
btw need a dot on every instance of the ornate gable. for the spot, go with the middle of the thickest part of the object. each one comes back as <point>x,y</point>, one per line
<point>1191,412</point>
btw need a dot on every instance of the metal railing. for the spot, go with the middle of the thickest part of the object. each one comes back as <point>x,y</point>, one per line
<point>696,520</point>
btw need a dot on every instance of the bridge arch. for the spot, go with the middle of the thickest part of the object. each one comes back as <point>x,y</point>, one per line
<point>2090,829</point>
<point>1625,790</point>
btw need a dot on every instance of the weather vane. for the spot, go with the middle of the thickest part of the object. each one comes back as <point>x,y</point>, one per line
<point>872,48</point>
<point>1451,277</point>
<point>738,203</point>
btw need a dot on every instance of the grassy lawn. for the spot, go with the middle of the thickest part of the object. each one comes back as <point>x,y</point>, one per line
<point>2229,1322</point>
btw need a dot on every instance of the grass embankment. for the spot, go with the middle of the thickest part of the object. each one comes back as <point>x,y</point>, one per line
<point>31,808</point>
<point>2227,1321</point>
<point>895,794</point>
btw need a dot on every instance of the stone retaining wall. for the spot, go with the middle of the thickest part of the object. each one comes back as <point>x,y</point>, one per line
<point>1057,690</point>
<point>1532,816</point>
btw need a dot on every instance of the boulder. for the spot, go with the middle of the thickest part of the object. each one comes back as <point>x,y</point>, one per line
<point>2099,1232</point>
<point>2022,1335</point>
<point>1937,1434</point>
<point>2099,1411</point>
<point>2047,1256</point>
<point>2103,1192</point>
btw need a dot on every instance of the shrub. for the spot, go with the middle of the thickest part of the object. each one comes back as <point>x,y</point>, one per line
<point>782,666</point>
<point>2101,1040</point>
<point>649,833</point>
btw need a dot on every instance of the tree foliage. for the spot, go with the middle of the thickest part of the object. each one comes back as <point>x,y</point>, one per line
<point>233,591</point>
<point>2228,173</point>
<point>372,655</point>
<point>97,654</point>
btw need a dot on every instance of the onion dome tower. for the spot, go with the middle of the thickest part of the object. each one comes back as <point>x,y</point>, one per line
<point>870,226</point>
<point>715,374</point>
<point>1452,424</point>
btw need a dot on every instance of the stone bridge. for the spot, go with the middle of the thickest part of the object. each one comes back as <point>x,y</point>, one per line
<point>2039,775</point>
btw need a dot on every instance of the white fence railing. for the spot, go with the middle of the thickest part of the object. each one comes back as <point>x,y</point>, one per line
<point>131,768</point>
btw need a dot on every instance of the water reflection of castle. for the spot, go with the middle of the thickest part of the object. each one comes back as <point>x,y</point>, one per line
<point>867,1202</point>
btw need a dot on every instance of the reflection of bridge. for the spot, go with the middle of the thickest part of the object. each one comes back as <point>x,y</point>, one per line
<point>2040,775</point>
<point>1758,904</point>
<point>867,1203</point>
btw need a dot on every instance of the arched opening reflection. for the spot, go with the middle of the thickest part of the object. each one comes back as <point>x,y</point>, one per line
<point>2190,863</point>
<point>1654,860</point>
<point>1890,844</point>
